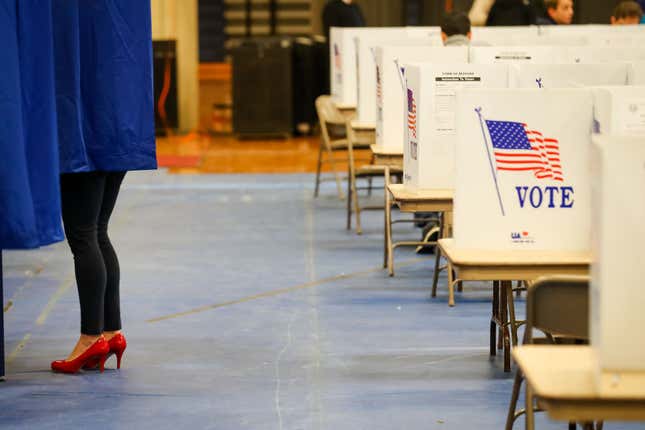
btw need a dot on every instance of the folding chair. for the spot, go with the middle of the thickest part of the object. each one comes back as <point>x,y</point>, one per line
<point>357,171</point>
<point>333,139</point>
<point>558,307</point>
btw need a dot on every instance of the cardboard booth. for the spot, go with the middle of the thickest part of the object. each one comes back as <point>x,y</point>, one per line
<point>599,54</point>
<point>431,131</point>
<point>343,62</point>
<point>566,75</point>
<point>502,35</point>
<point>619,110</point>
<point>522,176</point>
<point>617,300</point>
<point>390,87</point>
<point>636,73</point>
<point>366,78</point>
<point>512,54</point>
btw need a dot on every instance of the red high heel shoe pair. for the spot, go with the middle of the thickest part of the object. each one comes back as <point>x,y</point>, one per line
<point>95,356</point>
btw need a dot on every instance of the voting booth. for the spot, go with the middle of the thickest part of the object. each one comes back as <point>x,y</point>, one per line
<point>344,56</point>
<point>619,110</point>
<point>522,178</point>
<point>636,73</point>
<point>511,54</point>
<point>566,75</point>
<point>342,51</point>
<point>390,86</point>
<point>599,54</point>
<point>366,45</point>
<point>617,300</point>
<point>502,35</point>
<point>429,155</point>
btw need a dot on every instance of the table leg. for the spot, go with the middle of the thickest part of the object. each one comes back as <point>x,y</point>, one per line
<point>505,286</point>
<point>493,320</point>
<point>451,286</point>
<point>530,419</point>
<point>437,258</point>
<point>349,198</point>
<point>388,224</point>
<point>511,311</point>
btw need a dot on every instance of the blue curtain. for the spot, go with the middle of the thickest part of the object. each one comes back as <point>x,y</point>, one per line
<point>29,166</point>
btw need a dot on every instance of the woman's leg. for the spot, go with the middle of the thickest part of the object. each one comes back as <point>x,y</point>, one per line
<point>112,301</point>
<point>81,197</point>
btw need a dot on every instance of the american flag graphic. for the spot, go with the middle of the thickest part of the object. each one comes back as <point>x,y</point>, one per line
<point>379,85</point>
<point>412,114</point>
<point>337,58</point>
<point>518,148</point>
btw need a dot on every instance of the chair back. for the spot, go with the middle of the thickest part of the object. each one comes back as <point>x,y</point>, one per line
<point>327,111</point>
<point>558,306</point>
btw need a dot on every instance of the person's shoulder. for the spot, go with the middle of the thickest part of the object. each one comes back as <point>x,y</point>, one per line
<point>542,20</point>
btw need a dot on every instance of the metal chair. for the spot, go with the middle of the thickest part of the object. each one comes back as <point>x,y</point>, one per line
<point>367,171</point>
<point>333,139</point>
<point>559,308</point>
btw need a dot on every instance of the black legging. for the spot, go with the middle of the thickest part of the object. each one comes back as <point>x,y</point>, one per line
<point>88,200</point>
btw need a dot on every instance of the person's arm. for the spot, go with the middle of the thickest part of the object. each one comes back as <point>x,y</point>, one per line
<point>479,12</point>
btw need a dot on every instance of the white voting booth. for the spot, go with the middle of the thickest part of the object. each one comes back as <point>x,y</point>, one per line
<point>366,69</point>
<point>617,300</point>
<point>429,155</point>
<point>344,57</point>
<point>619,110</point>
<point>522,177</point>
<point>390,100</point>
<point>566,75</point>
<point>636,73</point>
<point>342,51</point>
<point>502,35</point>
<point>599,54</point>
<point>511,54</point>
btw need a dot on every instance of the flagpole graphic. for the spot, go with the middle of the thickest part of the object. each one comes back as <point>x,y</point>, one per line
<point>490,159</point>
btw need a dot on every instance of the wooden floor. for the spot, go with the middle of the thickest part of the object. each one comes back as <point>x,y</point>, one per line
<point>196,153</point>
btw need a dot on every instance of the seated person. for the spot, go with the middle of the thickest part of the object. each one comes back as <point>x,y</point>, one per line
<point>511,12</point>
<point>627,13</point>
<point>455,30</point>
<point>559,12</point>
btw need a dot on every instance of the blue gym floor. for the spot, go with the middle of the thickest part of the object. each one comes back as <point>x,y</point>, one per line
<point>247,305</point>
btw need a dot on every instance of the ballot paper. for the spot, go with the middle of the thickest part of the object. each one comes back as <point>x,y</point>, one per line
<point>617,296</point>
<point>445,98</point>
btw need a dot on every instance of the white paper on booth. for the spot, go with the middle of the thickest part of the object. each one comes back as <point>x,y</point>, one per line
<point>445,98</point>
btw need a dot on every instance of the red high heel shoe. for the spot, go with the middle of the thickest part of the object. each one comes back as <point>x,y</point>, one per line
<point>97,352</point>
<point>118,345</point>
